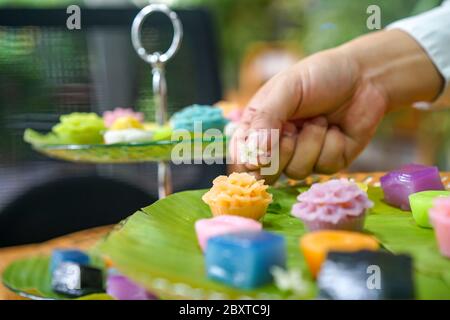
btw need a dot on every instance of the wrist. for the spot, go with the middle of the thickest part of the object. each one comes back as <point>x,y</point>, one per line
<point>395,65</point>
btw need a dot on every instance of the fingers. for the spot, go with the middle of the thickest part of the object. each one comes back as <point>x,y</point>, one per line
<point>332,157</point>
<point>268,110</point>
<point>287,145</point>
<point>307,149</point>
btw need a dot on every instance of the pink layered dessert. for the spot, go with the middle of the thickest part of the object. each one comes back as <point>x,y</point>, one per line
<point>333,205</point>
<point>109,117</point>
<point>207,228</point>
<point>440,218</point>
<point>397,185</point>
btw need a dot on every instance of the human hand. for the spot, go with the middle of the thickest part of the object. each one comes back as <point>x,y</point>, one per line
<point>328,106</point>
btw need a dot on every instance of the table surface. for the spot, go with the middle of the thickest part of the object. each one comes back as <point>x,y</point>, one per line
<point>87,238</point>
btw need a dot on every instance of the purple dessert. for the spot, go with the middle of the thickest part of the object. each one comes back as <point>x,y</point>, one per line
<point>122,288</point>
<point>397,185</point>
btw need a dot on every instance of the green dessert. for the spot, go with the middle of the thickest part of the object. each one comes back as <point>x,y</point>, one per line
<point>421,203</point>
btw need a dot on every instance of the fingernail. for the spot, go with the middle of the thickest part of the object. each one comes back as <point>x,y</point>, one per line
<point>289,130</point>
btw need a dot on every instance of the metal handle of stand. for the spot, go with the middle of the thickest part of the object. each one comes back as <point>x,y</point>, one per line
<point>157,60</point>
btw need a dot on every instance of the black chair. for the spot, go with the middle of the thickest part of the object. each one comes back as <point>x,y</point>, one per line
<point>47,70</point>
<point>66,205</point>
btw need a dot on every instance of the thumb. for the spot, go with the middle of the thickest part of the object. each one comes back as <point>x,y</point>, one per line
<point>268,110</point>
<point>275,102</point>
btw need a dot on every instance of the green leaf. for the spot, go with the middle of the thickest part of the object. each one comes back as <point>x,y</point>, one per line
<point>157,247</point>
<point>31,278</point>
<point>37,138</point>
<point>96,296</point>
<point>161,150</point>
<point>398,232</point>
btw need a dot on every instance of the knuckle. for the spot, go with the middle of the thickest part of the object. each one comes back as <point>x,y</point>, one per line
<point>296,173</point>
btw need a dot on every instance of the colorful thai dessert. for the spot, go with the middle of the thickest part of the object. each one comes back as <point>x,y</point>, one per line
<point>198,119</point>
<point>127,129</point>
<point>440,219</point>
<point>79,128</point>
<point>334,205</point>
<point>159,132</point>
<point>244,260</point>
<point>207,228</point>
<point>117,126</point>
<point>76,280</point>
<point>60,256</point>
<point>109,117</point>
<point>240,194</point>
<point>316,245</point>
<point>366,275</point>
<point>421,203</point>
<point>397,185</point>
<point>122,288</point>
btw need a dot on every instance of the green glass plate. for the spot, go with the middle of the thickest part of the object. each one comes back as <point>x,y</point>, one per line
<point>30,279</point>
<point>157,247</point>
<point>207,148</point>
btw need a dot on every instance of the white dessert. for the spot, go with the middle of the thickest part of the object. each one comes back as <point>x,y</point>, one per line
<point>127,135</point>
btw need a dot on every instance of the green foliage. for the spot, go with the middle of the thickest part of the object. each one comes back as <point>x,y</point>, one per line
<point>158,248</point>
<point>53,146</point>
<point>159,242</point>
<point>38,3</point>
<point>331,23</point>
<point>31,277</point>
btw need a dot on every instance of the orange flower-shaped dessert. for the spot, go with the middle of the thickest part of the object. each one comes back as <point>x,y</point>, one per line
<point>240,194</point>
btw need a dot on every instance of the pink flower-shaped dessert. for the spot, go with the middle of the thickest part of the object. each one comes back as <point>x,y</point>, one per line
<point>207,228</point>
<point>109,117</point>
<point>440,218</point>
<point>335,204</point>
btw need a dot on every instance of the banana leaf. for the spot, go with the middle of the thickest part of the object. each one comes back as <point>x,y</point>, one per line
<point>157,247</point>
<point>31,278</point>
<point>160,150</point>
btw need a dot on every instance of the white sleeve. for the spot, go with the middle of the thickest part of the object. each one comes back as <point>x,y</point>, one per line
<point>432,31</point>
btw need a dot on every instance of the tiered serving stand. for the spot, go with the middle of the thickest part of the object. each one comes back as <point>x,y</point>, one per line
<point>155,151</point>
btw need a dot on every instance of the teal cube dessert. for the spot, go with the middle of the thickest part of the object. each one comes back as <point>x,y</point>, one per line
<point>245,260</point>
<point>60,256</point>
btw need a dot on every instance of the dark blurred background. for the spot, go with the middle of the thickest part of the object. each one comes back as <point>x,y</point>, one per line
<point>230,48</point>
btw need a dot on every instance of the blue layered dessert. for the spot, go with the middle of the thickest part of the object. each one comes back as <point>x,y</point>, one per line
<point>245,260</point>
<point>60,256</point>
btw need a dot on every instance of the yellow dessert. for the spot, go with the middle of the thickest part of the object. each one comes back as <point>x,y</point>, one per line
<point>316,245</point>
<point>240,194</point>
<point>126,122</point>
